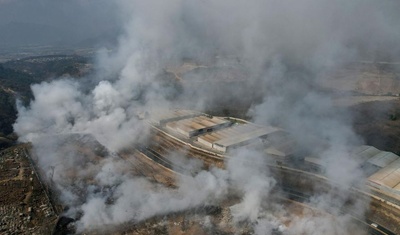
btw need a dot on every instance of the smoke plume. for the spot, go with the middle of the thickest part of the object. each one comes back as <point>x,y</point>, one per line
<point>283,50</point>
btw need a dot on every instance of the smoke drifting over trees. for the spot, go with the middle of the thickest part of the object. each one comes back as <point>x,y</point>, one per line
<point>285,47</point>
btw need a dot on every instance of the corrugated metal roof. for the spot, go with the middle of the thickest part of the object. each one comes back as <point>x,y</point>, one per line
<point>185,128</point>
<point>209,138</point>
<point>196,126</point>
<point>360,148</point>
<point>236,133</point>
<point>246,136</point>
<point>366,152</point>
<point>388,176</point>
<point>164,116</point>
<point>190,125</point>
<point>222,134</point>
<point>171,125</point>
<point>382,159</point>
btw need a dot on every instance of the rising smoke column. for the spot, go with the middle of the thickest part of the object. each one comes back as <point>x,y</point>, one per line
<point>286,45</point>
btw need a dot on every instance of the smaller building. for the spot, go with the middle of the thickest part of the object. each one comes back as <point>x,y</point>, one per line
<point>282,151</point>
<point>281,145</point>
<point>382,167</point>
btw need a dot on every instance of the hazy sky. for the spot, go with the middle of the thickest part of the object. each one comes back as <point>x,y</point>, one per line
<point>56,20</point>
<point>73,21</point>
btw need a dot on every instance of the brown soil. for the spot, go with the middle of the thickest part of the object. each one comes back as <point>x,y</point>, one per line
<point>378,123</point>
<point>24,205</point>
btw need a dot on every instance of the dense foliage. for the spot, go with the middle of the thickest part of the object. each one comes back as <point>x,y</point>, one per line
<point>17,76</point>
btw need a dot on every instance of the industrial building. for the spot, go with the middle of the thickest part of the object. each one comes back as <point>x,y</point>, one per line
<point>386,174</point>
<point>161,117</point>
<point>211,139</point>
<point>235,136</point>
<point>190,127</point>
<point>383,168</point>
<point>274,141</point>
<point>216,133</point>
<point>387,178</point>
<point>220,135</point>
<point>244,138</point>
<point>281,146</point>
<point>282,151</point>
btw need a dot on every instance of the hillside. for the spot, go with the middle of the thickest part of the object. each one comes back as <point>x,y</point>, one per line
<point>13,85</point>
<point>17,76</point>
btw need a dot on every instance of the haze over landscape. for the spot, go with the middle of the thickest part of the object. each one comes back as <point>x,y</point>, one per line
<point>90,92</point>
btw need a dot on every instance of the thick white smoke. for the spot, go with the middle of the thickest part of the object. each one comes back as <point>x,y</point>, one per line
<point>285,47</point>
<point>61,108</point>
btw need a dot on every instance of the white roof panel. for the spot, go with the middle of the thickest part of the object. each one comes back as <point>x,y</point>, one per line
<point>246,136</point>
<point>388,176</point>
<point>383,159</point>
